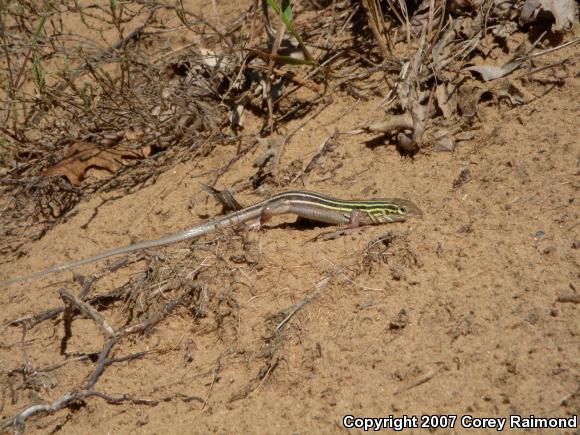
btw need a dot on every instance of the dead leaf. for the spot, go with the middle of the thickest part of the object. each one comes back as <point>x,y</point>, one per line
<point>445,45</point>
<point>84,155</point>
<point>504,30</point>
<point>468,98</point>
<point>563,11</point>
<point>491,72</point>
<point>458,6</point>
<point>464,135</point>
<point>446,99</point>
<point>392,123</point>
<point>110,139</point>
<point>511,92</point>
<point>529,12</point>
<point>444,141</point>
<point>426,13</point>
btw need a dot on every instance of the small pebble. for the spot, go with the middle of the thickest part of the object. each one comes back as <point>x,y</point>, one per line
<point>532,318</point>
<point>548,250</point>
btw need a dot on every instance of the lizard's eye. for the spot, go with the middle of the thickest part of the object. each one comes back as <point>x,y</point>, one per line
<point>403,209</point>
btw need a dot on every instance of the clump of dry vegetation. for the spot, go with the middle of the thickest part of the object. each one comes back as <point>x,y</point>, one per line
<point>131,97</point>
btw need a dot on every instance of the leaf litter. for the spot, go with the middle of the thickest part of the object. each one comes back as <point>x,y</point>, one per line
<point>71,104</point>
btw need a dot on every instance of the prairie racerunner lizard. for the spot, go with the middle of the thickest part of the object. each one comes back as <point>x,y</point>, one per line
<point>309,205</point>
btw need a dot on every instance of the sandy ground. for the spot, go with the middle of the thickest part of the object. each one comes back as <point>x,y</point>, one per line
<point>470,310</point>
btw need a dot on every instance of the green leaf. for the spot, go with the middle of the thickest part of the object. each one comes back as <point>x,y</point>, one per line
<point>274,6</point>
<point>289,60</point>
<point>38,30</point>
<point>85,97</point>
<point>36,67</point>
<point>286,11</point>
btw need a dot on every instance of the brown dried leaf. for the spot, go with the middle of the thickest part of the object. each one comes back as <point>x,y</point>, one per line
<point>457,6</point>
<point>511,92</point>
<point>393,123</point>
<point>445,45</point>
<point>446,99</point>
<point>468,98</point>
<point>504,30</point>
<point>444,141</point>
<point>84,155</point>
<point>427,13</point>
<point>563,11</point>
<point>503,8</point>
<point>492,72</point>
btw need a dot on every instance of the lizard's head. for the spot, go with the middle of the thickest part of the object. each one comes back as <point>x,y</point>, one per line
<point>394,210</point>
